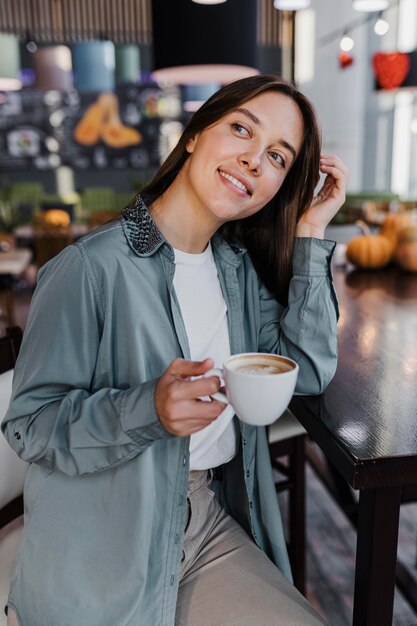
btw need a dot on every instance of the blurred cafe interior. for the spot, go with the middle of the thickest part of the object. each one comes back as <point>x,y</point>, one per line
<point>64,66</point>
<point>94,94</point>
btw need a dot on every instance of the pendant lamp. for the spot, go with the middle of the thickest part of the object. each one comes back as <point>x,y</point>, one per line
<point>9,62</point>
<point>94,64</point>
<point>127,63</point>
<point>223,51</point>
<point>291,5</point>
<point>369,6</point>
<point>53,68</point>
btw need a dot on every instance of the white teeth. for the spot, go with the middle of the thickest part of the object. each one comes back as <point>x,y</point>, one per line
<point>235,181</point>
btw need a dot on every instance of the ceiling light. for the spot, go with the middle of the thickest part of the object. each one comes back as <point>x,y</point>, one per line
<point>31,46</point>
<point>369,6</point>
<point>346,43</point>
<point>291,5</point>
<point>195,74</point>
<point>381,26</point>
<point>184,56</point>
<point>209,1</point>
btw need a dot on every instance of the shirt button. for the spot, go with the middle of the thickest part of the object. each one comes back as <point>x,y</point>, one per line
<point>184,461</point>
<point>250,504</point>
<point>17,436</point>
<point>172,579</point>
<point>244,442</point>
<point>181,500</point>
<point>248,474</point>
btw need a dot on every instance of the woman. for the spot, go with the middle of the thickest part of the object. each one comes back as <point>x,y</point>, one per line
<point>128,519</point>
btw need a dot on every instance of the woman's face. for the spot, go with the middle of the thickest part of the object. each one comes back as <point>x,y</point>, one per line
<point>237,165</point>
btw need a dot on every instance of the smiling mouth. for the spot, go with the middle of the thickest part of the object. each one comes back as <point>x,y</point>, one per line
<point>235,182</point>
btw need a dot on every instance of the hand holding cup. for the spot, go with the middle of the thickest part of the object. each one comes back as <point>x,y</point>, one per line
<point>259,386</point>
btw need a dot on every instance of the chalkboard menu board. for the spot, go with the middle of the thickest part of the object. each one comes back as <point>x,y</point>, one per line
<point>42,130</point>
<point>27,138</point>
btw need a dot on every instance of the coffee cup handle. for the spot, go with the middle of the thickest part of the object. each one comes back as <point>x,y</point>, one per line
<point>215,371</point>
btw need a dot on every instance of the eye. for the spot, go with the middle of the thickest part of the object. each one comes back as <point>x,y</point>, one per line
<point>275,156</point>
<point>241,130</point>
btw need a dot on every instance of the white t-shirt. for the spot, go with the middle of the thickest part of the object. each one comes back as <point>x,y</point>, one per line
<point>204,313</point>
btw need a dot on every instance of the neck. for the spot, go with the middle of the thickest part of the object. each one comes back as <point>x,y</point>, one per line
<point>181,222</point>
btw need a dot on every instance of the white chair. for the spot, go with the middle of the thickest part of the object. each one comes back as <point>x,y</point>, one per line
<point>12,475</point>
<point>286,438</point>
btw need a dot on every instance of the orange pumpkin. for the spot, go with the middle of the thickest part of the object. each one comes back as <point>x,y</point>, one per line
<point>406,253</point>
<point>56,217</point>
<point>393,224</point>
<point>369,251</point>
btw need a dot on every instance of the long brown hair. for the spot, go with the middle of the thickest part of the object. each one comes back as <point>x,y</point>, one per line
<point>269,234</point>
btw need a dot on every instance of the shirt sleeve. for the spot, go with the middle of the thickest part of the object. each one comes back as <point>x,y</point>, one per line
<point>305,330</point>
<point>55,418</point>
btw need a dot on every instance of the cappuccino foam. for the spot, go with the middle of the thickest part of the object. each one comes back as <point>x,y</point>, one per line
<point>261,367</point>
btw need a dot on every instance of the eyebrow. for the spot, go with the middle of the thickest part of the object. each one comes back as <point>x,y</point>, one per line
<point>257,121</point>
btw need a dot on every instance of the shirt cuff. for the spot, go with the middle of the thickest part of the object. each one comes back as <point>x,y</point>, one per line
<point>139,418</point>
<point>311,256</point>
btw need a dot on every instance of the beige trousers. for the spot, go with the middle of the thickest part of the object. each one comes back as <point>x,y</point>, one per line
<point>226,580</point>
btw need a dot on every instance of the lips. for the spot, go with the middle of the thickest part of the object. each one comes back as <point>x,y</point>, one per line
<point>239,182</point>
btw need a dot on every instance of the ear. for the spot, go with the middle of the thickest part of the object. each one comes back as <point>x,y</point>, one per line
<point>191,145</point>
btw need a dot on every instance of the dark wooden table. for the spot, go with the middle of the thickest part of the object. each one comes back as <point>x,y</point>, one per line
<point>366,423</point>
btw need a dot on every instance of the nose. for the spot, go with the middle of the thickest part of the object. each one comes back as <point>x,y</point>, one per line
<point>251,160</point>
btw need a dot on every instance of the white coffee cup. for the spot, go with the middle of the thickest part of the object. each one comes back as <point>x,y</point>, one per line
<point>259,386</point>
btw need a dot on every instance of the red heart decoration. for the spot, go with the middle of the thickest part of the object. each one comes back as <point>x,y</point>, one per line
<point>391,68</point>
<point>345,59</point>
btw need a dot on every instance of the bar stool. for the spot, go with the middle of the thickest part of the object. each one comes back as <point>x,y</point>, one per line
<point>286,438</point>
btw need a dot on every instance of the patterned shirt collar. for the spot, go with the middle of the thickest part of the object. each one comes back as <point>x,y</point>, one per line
<point>140,228</point>
<point>145,237</point>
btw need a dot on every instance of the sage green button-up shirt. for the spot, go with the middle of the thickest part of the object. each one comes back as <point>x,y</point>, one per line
<point>106,490</point>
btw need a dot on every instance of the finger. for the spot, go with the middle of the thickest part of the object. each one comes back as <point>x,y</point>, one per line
<point>207,410</point>
<point>196,409</point>
<point>182,367</point>
<point>332,189</point>
<point>193,389</point>
<point>335,172</point>
<point>334,162</point>
<point>334,159</point>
